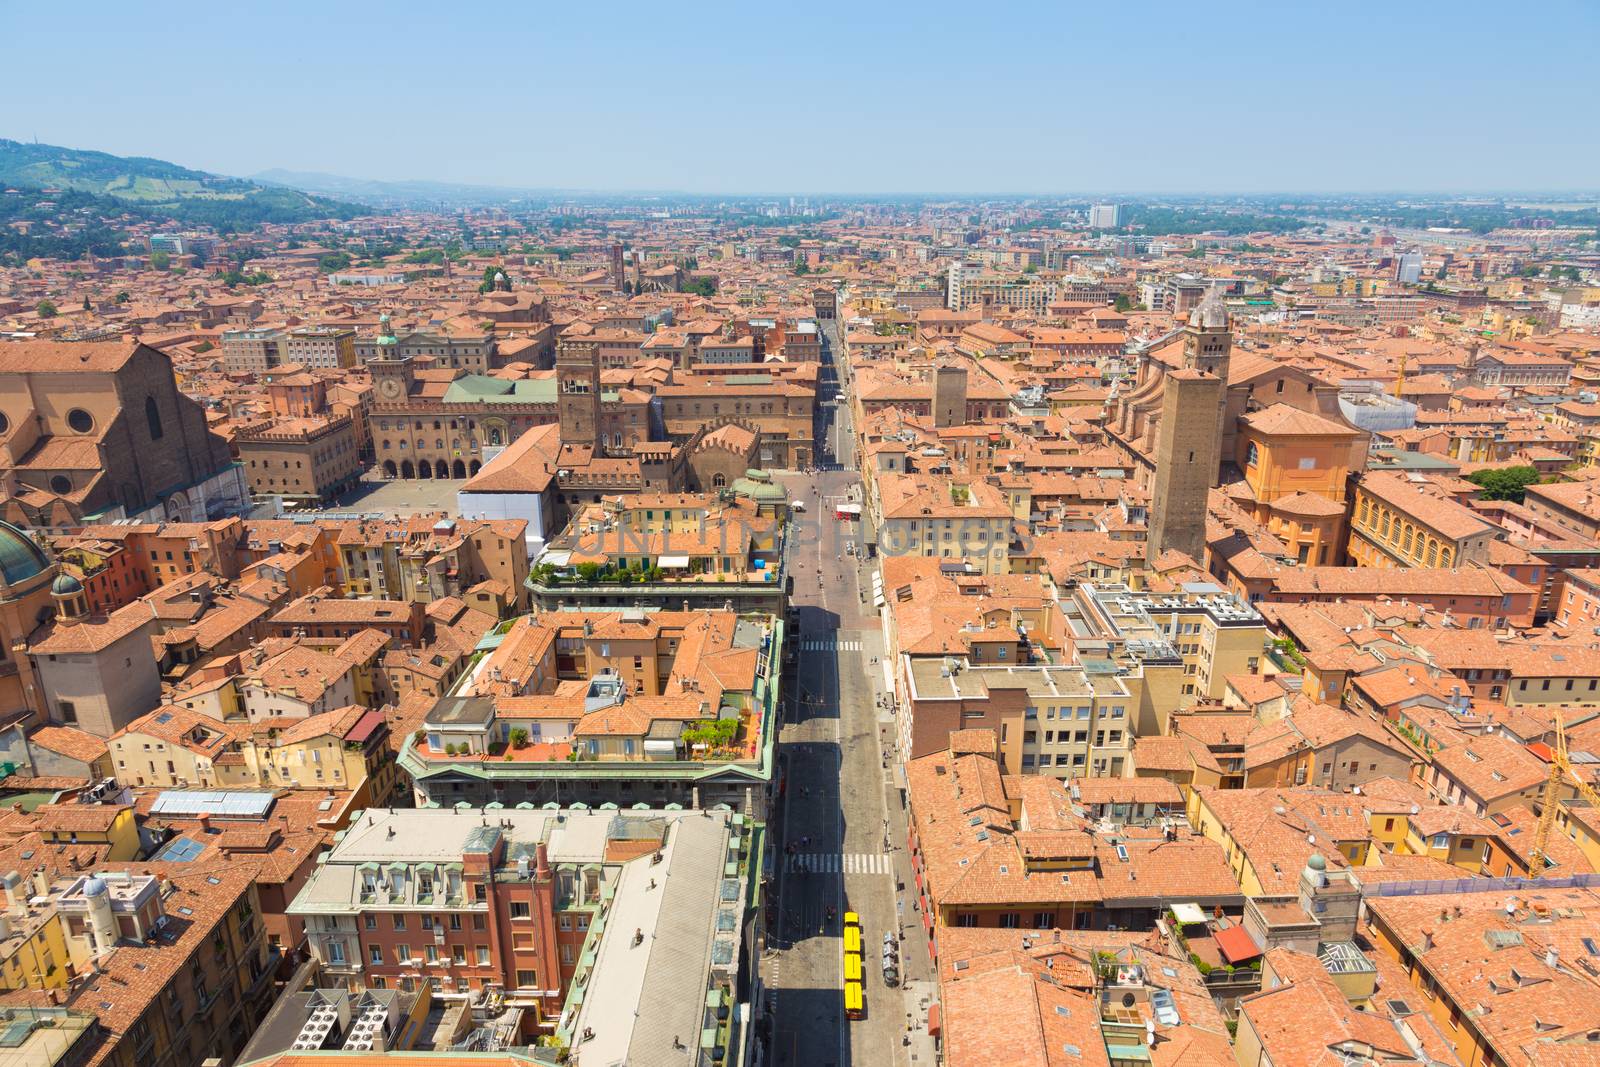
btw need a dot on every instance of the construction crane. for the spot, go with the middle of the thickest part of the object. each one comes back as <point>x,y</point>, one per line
<point>1560,768</point>
<point>1400,376</point>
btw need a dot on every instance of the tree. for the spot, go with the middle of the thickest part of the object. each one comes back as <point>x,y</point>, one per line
<point>160,261</point>
<point>86,303</point>
<point>1123,304</point>
<point>800,268</point>
<point>487,285</point>
<point>334,262</point>
<point>705,287</point>
<point>46,309</point>
<point>234,276</point>
<point>123,298</point>
<point>1504,483</point>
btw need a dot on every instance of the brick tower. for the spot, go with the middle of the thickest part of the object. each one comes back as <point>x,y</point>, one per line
<point>578,392</point>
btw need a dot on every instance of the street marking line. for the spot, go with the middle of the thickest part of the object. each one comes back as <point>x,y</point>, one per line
<point>830,646</point>
<point>837,863</point>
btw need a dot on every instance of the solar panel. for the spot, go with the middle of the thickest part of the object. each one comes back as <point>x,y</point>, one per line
<point>223,803</point>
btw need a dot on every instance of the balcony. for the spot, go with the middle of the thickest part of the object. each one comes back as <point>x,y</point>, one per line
<point>268,968</point>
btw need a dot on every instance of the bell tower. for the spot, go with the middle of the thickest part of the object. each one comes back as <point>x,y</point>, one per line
<point>578,392</point>
<point>1208,338</point>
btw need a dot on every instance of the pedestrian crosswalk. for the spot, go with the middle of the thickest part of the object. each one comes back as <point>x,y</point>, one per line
<point>840,863</point>
<point>830,644</point>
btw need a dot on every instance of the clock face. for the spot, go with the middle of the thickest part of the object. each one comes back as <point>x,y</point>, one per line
<point>389,388</point>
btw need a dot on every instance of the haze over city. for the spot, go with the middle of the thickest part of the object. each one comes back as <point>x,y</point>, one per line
<point>832,98</point>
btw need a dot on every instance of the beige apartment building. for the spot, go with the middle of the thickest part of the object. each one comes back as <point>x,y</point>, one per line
<point>175,748</point>
<point>321,346</point>
<point>1187,642</point>
<point>923,515</point>
<point>422,560</point>
<point>252,351</point>
<point>257,351</point>
<point>968,287</point>
<point>1064,721</point>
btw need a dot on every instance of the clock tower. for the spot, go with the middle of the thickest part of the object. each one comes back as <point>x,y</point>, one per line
<point>391,378</point>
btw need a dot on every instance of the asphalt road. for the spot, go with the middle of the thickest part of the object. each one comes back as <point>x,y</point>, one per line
<point>840,831</point>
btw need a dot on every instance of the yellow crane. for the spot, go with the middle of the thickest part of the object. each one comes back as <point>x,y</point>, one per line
<point>1560,768</point>
<point>1400,375</point>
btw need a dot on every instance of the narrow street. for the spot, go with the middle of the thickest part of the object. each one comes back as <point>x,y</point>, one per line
<point>841,833</point>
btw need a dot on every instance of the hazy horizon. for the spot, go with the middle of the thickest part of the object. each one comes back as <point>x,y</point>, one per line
<point>848,101</point>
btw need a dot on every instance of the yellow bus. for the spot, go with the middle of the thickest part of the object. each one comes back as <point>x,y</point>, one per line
<point>852,940</point>
<point>854,1002</point>
<point>852,968</point>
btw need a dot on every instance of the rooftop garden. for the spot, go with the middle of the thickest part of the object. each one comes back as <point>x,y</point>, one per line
<point>594,574</point>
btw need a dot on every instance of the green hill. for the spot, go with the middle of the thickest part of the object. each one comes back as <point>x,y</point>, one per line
<point>156,188</point>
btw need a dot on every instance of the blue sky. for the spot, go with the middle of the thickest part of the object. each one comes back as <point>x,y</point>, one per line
<point>787,97</point>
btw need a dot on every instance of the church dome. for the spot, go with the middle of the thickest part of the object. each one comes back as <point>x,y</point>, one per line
<point>20,558</point>
<point>66,585</point>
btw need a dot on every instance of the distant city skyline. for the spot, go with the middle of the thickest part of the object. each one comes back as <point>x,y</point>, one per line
<point>831,99</point>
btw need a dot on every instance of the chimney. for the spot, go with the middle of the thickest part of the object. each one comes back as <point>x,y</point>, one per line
<point>1427,940</point>
<point>541,867</point>
<point>1552,957</point>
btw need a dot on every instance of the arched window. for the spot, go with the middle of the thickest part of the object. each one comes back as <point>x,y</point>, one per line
<point>718,481</point>
<point>152,416</point>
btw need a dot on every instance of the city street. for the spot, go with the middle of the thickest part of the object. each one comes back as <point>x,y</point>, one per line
<point>841,831</point>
